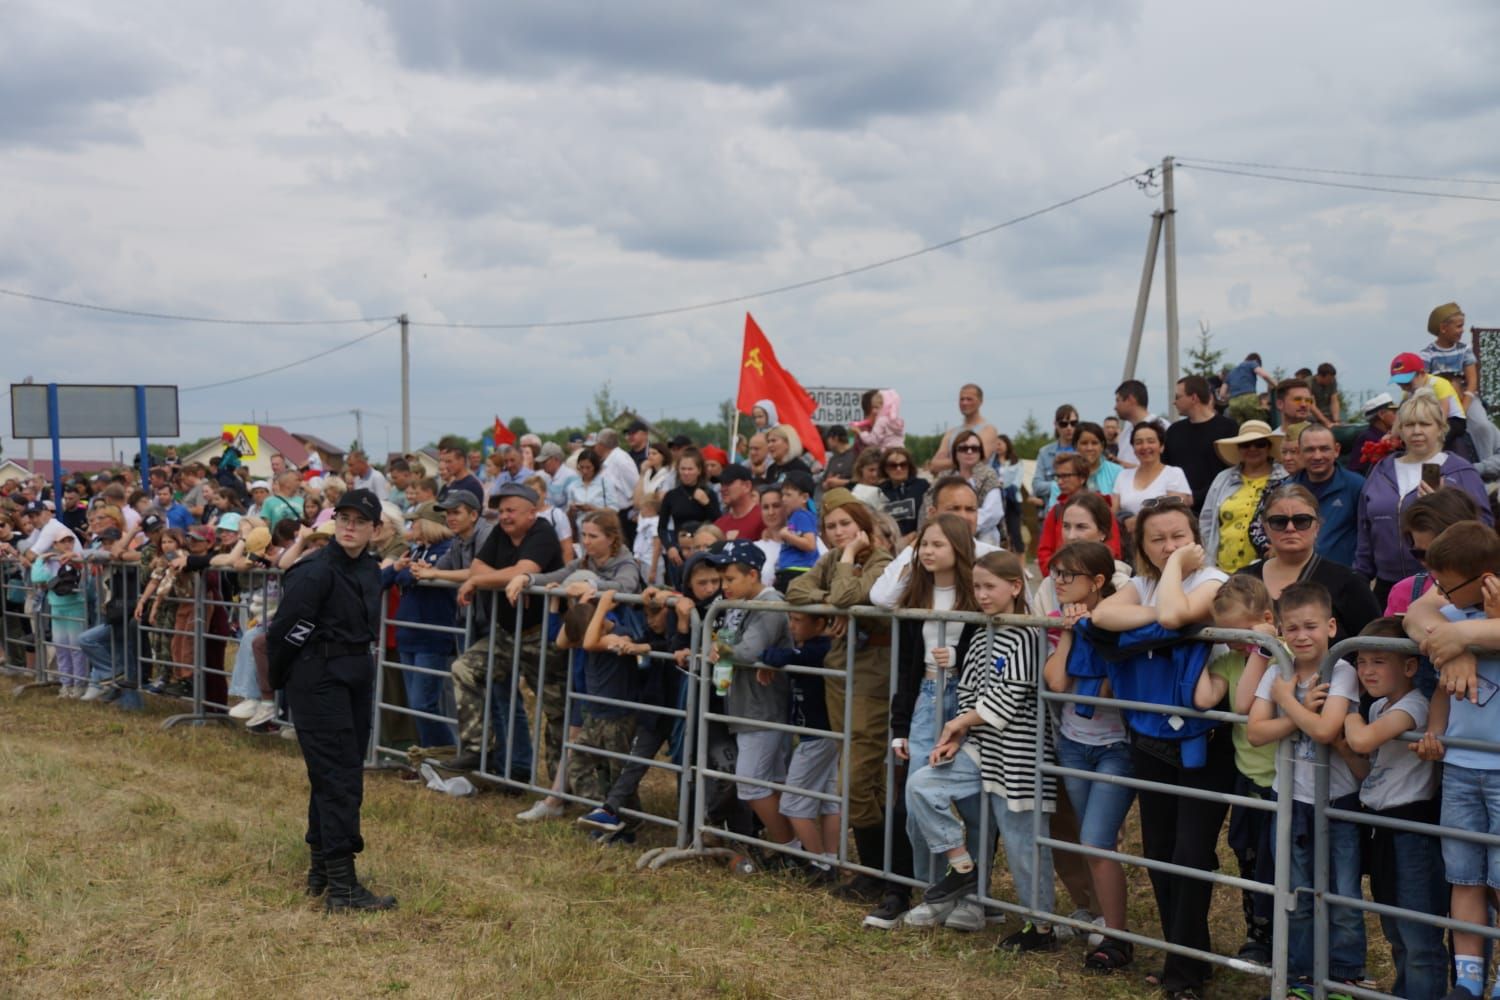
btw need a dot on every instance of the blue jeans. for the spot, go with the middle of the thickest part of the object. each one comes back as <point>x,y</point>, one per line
<point>1101,806</point>
<point>930,795</point>
<point>243,681</point>
<point>1471,802</point>
<point>925,727</point>
<point>424,693</point>
<point>111,650</point>
<point>1406,870</point>
<point>1346,927</point>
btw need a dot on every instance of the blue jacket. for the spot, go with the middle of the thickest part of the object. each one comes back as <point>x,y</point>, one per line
<point>424,605</point>
<point>1338,506</point>
<point>1151,664</point>
<point>1381,551</point>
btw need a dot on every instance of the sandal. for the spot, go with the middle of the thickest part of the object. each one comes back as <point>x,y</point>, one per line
<point>1110,956</point>
<point>1155,978</point>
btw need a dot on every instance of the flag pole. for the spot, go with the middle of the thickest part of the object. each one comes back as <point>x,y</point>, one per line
<point>734,436</point>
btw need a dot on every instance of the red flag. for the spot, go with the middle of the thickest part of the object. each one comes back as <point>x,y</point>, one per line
<point>762,377</point>
<point>503,434</point>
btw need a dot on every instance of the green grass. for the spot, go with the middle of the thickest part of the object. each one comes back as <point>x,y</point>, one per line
<point>141,863</point>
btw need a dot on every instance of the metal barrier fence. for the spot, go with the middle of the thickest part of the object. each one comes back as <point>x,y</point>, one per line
<point>25,625</point>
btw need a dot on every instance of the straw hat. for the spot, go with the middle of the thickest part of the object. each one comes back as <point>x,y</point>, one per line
<point>1250,430</point>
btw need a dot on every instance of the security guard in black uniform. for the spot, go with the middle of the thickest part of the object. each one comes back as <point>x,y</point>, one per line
<point>319,644</point>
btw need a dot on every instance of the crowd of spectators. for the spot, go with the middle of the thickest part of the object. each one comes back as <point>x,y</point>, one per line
<point>1261,511</point>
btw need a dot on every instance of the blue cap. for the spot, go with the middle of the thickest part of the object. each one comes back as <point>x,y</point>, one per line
<point>738,552</point>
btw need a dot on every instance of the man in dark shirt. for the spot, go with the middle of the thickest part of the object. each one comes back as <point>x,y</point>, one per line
<point>453,465</point>
<point>319,644</point>
<point>1190,441</point>
<point>520,543</point>
<point>638,437</point>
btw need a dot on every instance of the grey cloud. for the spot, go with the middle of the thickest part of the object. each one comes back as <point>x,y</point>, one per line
<point>836,65</point>
<point>64,84</point>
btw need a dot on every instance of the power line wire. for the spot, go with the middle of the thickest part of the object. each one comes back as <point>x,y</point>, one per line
<point>173,317</point>
<point>1341,184</point>
<point>291,364</point>
<point>795,286</point>
<point>1333,170</point>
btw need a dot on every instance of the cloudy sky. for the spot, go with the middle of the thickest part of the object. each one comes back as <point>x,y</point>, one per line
<point>534,162</point>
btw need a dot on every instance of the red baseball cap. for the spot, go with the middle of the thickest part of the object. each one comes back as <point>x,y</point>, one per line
<point>1404,367</point>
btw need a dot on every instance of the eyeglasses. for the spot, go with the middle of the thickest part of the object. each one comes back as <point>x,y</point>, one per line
<point>1257,443</point>
<point>1063,577</point>
<point>1299,522</point>
<point>1448,592</point>
<point>969,447</point>
<point>898,465</point>
<point>1068,423</point>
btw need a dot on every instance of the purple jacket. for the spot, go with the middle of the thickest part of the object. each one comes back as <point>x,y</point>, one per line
<point>1381,552</point>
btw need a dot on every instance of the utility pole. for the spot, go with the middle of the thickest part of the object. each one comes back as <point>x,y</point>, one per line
<point>405,385</point>
<point>1163,222</point>
<point>31,442</point>
<point>1169,207</point>
<point>1143,296</point>
<point>359,428</point>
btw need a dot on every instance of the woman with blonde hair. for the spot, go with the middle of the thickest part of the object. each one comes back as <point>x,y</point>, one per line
<point>1228,524</point>
<point>1381,552</point>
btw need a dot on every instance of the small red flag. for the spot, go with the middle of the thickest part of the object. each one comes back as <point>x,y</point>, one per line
<point>762,377</point>
<point>503,434</point>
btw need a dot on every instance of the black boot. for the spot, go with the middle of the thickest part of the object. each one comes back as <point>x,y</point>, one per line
<point>317,873</point>
<point>344,891</point>
<point>870,842</point>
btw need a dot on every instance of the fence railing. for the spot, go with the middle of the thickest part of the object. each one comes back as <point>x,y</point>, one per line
<point>125,651</point>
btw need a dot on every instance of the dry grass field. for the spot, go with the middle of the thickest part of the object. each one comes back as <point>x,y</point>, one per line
<point>141,863</point>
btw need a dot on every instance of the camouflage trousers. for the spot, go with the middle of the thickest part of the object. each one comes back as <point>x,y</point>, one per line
<point>592,775</point>
<point>469,684</point>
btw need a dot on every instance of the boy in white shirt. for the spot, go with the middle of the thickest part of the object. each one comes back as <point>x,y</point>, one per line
<point>1406,869</point>
<point>1312,711</point>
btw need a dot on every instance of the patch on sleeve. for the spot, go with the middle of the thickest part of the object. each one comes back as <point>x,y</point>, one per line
<point>298,634</point>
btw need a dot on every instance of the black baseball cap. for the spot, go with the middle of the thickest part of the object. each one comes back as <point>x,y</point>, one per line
<point>152,522</point>
<point>363,502</point>
<point>738,552</point>
<point>680,441</point>
<point>516,490</point>
<point>735,474</point>
<point>800,480</point>
<point>458,498</point>
<point>634,426</point>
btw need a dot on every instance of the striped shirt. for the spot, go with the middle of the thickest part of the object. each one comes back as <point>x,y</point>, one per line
<point>999,681</point>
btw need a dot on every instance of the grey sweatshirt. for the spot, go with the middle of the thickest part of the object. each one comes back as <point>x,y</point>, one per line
<point>751,633</point>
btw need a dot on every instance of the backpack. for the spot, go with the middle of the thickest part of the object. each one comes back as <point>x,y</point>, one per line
<point>67,580</point>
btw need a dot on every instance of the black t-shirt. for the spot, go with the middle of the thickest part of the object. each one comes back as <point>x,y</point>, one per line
<point>1190,447</point>
<point>465,482</point>
<point>540,545</point>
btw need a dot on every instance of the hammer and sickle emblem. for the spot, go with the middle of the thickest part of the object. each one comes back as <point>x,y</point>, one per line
<point>754,361</point>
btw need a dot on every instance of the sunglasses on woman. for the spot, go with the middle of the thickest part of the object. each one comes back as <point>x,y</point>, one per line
<point>969,447</point>
<point>1068,423</point>
<point>1257,443</point>
<point>1298,522</point>
<point>896,465</point>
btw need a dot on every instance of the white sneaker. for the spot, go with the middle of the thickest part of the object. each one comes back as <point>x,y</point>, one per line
<point>1066,933</point>
<point>928,914</point>
<point>966,915</point>
<point>540,810</point>
<point>246,708</point>
<point>92,693</point>
<point>1095,940</point>
<point>265,711</point>
<point>64,691</point>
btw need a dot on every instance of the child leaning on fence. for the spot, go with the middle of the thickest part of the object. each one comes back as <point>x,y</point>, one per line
<point>989,749</point>
<point>611,667</point>
<point>1465,565</point>
<point>1310,710</point>
<point>760,754</point>
<point>814,765</point>
<point>1234,673</point>
<point>58,572</point>
<point>1406,869</point>
<point>1082,573</point>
